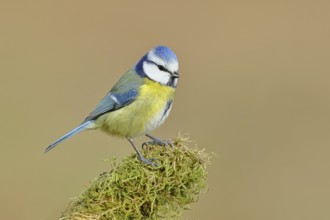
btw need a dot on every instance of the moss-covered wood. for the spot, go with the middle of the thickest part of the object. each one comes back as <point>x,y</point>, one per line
<point>133,190</point>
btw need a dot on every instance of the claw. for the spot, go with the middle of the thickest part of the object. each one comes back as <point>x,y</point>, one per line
<point>145,160</point>
<point>142,158</point>
<point>156,141</point>
<point>145,144</point>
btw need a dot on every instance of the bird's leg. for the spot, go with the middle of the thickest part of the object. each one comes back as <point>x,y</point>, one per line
<point>157,141</point>
<point>142,158</point>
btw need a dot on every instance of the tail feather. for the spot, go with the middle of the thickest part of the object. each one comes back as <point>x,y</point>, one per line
<point>69,134</point>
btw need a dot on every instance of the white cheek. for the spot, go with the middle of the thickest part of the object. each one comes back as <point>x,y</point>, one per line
<point>152,71</point>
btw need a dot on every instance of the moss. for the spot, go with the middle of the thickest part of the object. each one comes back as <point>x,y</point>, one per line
<point>133,190</point>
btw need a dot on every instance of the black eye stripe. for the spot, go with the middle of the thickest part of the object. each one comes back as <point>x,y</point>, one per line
<point>160,67</point>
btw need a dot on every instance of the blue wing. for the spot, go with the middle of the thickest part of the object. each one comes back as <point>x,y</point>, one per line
<point>112,102</point>
<point>122,94</point>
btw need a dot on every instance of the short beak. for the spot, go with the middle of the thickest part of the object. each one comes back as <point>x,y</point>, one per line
<point>175,75</point>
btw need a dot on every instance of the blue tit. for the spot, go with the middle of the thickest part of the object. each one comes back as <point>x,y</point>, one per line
<point>138,103</point>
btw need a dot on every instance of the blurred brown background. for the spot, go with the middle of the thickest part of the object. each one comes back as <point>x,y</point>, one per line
<point>254,89</point>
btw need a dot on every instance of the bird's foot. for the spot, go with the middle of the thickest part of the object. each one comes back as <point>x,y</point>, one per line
<point>148,161</point>
<point>156,141</point>
<point>142,158</point>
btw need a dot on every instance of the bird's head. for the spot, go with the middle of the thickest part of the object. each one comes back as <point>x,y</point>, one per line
<point>160,65</point>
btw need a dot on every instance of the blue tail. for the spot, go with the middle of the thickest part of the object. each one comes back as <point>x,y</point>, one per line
<point>71,133</point>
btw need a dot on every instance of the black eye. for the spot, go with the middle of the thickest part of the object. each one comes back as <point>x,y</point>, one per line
<point>162,68</point>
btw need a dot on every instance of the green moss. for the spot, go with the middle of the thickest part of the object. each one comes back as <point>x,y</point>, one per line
<point>133,190</point>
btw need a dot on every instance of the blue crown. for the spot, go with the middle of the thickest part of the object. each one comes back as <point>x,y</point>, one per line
<point>165,53</point>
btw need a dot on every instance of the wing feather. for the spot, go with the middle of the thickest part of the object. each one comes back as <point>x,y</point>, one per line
<point>122,94</point>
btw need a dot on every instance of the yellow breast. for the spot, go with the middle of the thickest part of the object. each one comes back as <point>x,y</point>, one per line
<point>141,116</point>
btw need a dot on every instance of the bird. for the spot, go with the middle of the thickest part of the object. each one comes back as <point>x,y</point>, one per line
<point>138,103</point>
